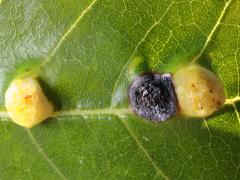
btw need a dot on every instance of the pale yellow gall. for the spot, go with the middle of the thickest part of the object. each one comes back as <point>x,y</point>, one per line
<point>200,92</point>
<point>26,103</point>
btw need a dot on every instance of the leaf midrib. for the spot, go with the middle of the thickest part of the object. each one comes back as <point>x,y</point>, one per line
<point>119,112</point>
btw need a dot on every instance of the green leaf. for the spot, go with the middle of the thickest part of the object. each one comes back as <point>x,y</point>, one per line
<point>85,53</point>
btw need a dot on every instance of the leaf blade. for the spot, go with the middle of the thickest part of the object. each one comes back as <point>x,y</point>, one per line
<point>92,142</point>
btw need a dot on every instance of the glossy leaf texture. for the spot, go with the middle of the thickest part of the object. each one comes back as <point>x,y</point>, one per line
<point>85,53</point>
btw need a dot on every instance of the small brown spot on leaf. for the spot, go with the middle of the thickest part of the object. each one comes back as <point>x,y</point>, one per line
<point>28,99</point>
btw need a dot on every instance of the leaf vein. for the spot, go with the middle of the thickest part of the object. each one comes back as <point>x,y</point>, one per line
<point>209,38</point>
<point>120,112</point>
<point>66,34</point>
<point>236,61</point>
<point>236,111</point>
<point>44,155</point>
<point>139,144</point>
<point>135,50</point>
<point>211,137</point>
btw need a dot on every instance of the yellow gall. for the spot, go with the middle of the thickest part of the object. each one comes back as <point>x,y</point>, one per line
<point>200,92</point>
<point>26,103</point>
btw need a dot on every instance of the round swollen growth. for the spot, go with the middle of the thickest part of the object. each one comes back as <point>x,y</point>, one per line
<point>26,103</point>
<point>152,97</point>
<point>199,91</point>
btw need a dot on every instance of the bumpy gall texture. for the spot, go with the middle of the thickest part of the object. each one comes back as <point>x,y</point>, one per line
<point>152,96</point>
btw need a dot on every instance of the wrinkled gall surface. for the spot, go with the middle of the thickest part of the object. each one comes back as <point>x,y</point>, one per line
<point>152,96</point>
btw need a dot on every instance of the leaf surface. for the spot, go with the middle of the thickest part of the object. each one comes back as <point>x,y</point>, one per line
<point>85,53</point>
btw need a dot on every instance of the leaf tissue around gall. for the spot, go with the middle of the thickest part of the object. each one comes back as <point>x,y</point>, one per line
<point>152,96</point>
